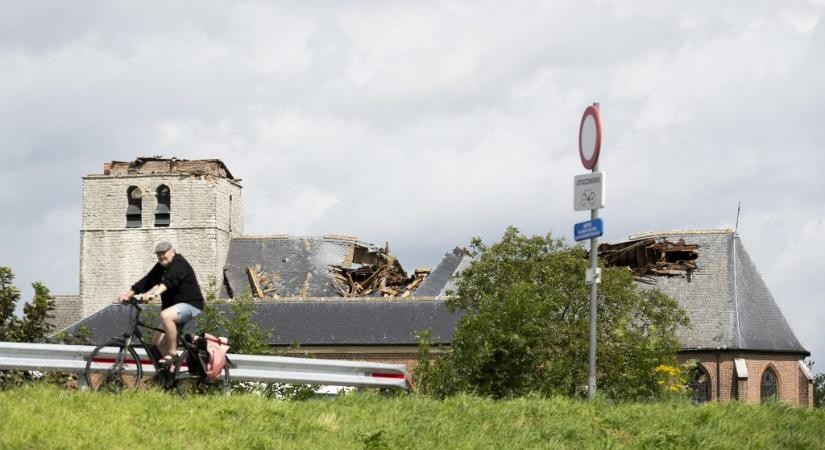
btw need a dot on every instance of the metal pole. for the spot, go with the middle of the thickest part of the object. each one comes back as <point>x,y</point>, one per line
<point>591,352</point>
<point>594,256</point>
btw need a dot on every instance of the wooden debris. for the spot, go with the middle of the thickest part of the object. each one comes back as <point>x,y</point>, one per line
<point>254,275</point>
<point>380,273</point>
<point>262,284</point>
<point>652,257</point>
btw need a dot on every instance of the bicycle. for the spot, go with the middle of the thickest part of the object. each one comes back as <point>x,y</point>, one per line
<point>116,366</point>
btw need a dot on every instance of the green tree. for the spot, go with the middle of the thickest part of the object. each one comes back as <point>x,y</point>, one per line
<point>525,327</point>
<point>819,390</point>
<point>35,325</point>
<point>9,296</point>
<point>245,336</point>
<point>212,320</point>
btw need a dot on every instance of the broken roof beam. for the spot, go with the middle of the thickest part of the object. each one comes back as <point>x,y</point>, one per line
<point>651,256</point>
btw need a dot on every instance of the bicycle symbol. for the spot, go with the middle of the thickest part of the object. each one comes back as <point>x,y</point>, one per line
<point>588,198</point>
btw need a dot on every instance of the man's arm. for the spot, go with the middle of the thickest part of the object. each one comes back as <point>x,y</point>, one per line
<point>149,281</point>
<point>155,292</point>
<point>144,284</point>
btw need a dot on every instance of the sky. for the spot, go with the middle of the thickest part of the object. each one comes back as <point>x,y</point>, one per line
<point>427,123</point>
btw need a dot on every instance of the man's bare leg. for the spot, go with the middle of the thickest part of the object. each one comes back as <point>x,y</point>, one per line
<point>159,340</point>
<point>170,340</point>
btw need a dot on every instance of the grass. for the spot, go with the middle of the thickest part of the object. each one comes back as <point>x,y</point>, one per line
<point>47,417</point>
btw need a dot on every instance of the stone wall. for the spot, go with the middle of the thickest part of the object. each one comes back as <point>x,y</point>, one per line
<point>113,257</point>
<point>66,312</point>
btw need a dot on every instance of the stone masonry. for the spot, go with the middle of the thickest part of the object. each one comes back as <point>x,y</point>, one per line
<point>206,212</point>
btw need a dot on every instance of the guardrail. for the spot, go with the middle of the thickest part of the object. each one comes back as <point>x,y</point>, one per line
<point>271,369</point>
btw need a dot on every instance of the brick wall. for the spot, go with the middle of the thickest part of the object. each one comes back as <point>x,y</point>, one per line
<point>789,386</point>
<point>112,257</point>
<point>793,386</point>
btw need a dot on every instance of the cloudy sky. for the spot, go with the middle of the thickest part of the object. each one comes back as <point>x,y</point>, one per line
<point>427,123</point>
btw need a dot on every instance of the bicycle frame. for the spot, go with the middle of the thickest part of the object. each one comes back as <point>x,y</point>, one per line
<point>135,333</point>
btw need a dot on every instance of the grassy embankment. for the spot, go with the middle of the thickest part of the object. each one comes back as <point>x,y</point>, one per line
<point>45,417</point>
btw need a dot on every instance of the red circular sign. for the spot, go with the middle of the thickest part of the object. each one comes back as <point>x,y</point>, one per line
<point>590,137</point>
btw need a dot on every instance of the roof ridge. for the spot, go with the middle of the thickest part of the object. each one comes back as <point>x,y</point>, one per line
<point>662,233</point>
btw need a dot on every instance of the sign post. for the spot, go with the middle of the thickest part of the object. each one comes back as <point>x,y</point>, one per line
<point>589,194</point>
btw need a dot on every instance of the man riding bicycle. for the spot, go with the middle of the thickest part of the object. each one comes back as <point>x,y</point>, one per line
<point>173,279</point>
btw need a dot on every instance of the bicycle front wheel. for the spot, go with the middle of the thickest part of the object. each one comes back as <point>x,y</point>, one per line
<point>113,368</point>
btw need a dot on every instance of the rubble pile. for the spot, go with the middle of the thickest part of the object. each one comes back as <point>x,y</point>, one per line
<point>652,257</point>
<point>385,278</point>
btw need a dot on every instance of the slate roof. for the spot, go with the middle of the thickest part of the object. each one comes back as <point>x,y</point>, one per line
<point>729,305</point>
<point>440,280</point>
<point>728,302</point>
<point>320,322</point>
<point>301,264</point>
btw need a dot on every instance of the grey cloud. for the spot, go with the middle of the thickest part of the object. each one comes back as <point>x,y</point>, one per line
<point>426,124</point>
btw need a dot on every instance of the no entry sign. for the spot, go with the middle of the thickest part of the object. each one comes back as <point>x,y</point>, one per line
<point>590,137</point>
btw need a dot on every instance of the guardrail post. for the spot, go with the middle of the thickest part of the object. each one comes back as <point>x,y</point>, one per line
<point>82,383</point>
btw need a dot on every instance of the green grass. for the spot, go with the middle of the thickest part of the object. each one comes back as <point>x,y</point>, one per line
<point>46,417</point>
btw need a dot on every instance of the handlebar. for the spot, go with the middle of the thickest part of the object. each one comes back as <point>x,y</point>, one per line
<point>134,300</point>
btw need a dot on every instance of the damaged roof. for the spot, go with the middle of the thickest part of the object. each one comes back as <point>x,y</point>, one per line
<point>320,322</point>
<point>708,272</point>
<point>711,275</point>
<point>297,266</point>
<point>308,267</point>
<point>151,165</point>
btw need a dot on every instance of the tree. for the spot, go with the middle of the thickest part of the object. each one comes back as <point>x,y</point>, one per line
<point>244,334</point>
<point>9,296</point>
<point>819,390</point>
<point>525,327</point>
<point>34,325</point>
<point>212,320</point>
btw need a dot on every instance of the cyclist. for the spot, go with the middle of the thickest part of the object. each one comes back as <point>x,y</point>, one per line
<point>173,279</point>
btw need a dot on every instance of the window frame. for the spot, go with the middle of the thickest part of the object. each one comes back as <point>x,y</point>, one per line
<point>163,210</point>
<point>134,207</point>
<point>771,396</point>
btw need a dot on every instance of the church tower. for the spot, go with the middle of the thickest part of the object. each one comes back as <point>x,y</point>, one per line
<point>196,205</point>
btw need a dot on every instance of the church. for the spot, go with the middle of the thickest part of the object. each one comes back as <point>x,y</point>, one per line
<point>339,297</point>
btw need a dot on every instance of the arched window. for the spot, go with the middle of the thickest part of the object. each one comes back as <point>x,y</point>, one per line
<point>700,384</point>
<point>163,211</point>
<point>134,207</point>
<point>768,388</point>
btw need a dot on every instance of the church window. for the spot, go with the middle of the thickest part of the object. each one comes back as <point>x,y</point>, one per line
<point>163,210</point>
<point>768,388</point>
<point>700,384</point>
<point>134,207</point>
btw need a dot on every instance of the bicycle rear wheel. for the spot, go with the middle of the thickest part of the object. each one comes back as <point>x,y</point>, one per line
<point>113,368</point>
<point>196,383</point>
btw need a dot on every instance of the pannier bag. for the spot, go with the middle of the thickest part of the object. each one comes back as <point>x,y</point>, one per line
<point>217,348</point>
<point>210,354</point>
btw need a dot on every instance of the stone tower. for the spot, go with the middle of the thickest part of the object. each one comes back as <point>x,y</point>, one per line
<point>195,205</point>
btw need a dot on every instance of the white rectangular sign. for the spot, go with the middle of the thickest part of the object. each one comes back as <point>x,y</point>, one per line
<point>588,191</point>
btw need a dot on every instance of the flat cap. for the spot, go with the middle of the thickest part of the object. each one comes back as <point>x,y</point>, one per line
<point>163,246</point>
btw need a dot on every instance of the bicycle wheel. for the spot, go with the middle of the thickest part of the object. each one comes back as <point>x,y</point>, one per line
<point>113,368</point>
<point>195,383</point>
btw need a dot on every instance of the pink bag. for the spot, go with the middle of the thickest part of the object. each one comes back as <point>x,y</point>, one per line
<point>217,348</point>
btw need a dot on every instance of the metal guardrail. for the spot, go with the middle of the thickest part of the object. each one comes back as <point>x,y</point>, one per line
<point>271,369</point>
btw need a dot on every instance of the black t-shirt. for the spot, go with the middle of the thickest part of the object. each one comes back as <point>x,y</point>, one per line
<point>179,279</point>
